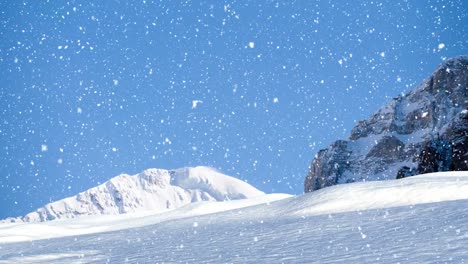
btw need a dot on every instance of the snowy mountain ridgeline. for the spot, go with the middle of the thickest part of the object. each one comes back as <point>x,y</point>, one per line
<point>153,189</point>
<point>424,131</point>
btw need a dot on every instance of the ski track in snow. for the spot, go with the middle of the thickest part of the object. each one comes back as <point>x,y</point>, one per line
<point>422,228</point>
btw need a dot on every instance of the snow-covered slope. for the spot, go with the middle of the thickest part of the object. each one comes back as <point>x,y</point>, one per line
<point>17,232</point>
<point>153,189</point>
<point>417,219</point>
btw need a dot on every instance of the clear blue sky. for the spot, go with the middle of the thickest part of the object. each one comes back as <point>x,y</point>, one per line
<point>89,91</point>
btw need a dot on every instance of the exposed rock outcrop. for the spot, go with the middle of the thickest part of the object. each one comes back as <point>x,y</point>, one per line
<point>424,131</point>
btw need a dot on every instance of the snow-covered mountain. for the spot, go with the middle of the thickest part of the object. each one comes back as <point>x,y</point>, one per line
<point>420,219</point>
<point>423,131</point>
<point>153,189</point>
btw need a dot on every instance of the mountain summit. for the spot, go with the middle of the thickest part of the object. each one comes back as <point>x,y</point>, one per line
<point>152,189</point>
<point>424,131</point>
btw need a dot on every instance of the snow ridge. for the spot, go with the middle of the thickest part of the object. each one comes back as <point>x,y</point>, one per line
<point>152,189</point>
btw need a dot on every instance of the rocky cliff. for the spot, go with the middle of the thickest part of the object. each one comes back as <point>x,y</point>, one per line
<point>423,131</point>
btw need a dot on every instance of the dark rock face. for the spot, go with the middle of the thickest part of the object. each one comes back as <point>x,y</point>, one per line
<point>388,148</point>
<point>458,135</point>
<point>328,165</point>
<point>424,131</point>
<point>406,172</point>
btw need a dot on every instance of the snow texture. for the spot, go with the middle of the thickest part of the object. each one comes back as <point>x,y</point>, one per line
<point>416,219</point>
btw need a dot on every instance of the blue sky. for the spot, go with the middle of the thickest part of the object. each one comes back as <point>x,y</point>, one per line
<point>252,88</point>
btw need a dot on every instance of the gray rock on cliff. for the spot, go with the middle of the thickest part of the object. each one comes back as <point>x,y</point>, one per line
<point>424,131</point>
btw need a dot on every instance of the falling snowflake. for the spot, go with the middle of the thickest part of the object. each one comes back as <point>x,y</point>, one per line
<point>195,103</point>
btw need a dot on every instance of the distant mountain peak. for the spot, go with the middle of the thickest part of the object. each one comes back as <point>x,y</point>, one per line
<point>152,189</point>
<point>423,131</point>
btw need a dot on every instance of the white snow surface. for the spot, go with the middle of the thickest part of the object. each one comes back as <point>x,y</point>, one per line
<point>153,189</point>
<point>417,219</point>
<point>18,232</point>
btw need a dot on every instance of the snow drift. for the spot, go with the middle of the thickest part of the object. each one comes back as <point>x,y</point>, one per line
<point>416,219</point>
<point>361,196</point>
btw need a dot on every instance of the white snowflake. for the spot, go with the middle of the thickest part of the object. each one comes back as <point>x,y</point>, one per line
<point>195,103</point>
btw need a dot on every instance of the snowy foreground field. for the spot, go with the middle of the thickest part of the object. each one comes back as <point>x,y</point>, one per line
<point>418,219</point>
